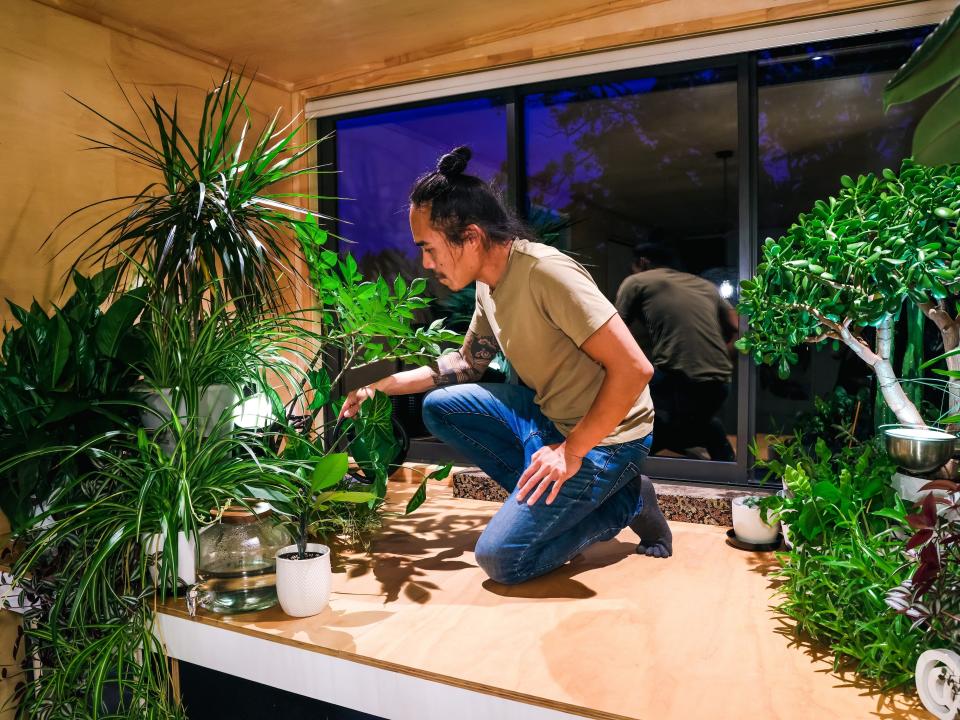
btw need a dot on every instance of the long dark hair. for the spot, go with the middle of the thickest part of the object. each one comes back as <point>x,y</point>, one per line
<point>457,200</point>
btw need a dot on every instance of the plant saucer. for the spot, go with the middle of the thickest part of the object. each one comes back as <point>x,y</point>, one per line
<point>733,541</point>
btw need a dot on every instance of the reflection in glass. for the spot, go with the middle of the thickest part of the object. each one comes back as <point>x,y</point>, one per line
<point>653,159</point>
<point>820,116</point>
<point>379,156</point>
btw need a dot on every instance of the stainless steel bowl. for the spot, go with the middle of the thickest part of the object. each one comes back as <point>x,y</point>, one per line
<point>919,450</point>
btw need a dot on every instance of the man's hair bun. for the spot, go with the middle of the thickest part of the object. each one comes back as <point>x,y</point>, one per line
<point>454,162</point>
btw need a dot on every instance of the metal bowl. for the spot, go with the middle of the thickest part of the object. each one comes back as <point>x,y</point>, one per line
<point>919,450</point>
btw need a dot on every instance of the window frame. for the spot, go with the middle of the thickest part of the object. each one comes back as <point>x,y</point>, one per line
<point>740,472</point>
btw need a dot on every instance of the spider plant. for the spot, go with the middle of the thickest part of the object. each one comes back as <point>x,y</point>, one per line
<point>86,563</point>
<point>213,217</point>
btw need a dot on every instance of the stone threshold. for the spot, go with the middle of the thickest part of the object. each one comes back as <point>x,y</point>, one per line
<point>680,502</point>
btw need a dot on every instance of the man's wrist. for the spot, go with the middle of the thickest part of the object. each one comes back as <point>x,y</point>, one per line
<point>572,452</point>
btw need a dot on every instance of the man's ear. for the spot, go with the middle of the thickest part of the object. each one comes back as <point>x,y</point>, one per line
<point>472,233</point>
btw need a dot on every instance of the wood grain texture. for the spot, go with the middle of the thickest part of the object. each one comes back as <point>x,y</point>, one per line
<point>330,47</point>
<point>611,635</point>
<point>44,55</point>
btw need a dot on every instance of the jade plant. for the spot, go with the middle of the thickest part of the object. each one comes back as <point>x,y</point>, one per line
<point>847,268</point>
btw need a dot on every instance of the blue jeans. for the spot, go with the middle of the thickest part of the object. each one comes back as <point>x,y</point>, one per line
<point>498,426</point>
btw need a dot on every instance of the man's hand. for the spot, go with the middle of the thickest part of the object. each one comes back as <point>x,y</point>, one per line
<point>352,404</point>
<point>550,465</point>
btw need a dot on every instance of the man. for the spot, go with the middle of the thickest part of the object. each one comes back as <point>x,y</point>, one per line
<point>568,444</point>
<point>688,330</point>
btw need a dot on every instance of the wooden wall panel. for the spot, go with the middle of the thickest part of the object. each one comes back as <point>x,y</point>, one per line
<point>45,54</point>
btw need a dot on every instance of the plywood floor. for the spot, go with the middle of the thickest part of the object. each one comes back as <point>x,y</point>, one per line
<point>612,635</point>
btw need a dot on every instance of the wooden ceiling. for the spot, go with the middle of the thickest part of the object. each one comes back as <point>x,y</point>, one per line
<point>323,47</point>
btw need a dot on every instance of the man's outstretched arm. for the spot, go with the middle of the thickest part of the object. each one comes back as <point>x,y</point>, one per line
<point>465,365</point>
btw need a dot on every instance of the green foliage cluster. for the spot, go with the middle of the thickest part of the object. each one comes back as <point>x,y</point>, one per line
<point>853,260</point>
<point>90,489</point>
<point>64,376</point>
<point>846,525</point>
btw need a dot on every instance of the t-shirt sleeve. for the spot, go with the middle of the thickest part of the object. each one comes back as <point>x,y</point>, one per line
<point>479,325</point>
<point>569,298</point>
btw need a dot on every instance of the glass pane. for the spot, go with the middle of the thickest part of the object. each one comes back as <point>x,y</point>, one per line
<point>653,159</point>
<point>379,157</point>
<point>821,116</point>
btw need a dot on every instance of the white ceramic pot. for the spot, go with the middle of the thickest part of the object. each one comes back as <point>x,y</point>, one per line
<point>186,555</point>
<point>748,525</point>
<point>938,682</point>
<point>214,401</point>
<point>303,586</point>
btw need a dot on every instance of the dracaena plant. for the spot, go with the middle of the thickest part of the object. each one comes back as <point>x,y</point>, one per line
<point>217,215</point>
<point>845,270</point>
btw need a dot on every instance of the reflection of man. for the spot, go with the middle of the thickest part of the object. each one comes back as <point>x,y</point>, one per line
<point>687,330</point>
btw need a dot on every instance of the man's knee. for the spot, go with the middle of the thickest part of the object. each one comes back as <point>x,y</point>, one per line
<point>442,402</point>
<point>432,410</point>
<point>499,562</point>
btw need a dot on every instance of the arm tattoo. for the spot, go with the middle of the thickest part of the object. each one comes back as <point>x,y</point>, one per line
<point>468,363</point>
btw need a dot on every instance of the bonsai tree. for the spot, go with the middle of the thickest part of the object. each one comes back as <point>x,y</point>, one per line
<point>846,269</point>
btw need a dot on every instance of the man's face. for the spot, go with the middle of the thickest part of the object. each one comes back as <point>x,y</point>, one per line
<point>454,267</point>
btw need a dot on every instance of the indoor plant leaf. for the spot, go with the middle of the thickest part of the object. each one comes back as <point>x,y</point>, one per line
<point>329,471</point>
<point>934,63</point>
<point>118,319</point>
<point>937,137</point>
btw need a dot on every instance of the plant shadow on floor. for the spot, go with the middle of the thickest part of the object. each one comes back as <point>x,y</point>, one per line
<point>765,564</point>
<point>410,549</point>
<point>406,555</point>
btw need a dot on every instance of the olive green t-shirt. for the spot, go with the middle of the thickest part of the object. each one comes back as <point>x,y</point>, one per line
<point>675,317</point>
<point>543,309</point>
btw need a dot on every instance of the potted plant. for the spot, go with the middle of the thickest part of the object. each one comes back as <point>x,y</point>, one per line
<point>931,596</point>
<point>303,569</point>
<point>65,376</point>
<point>749,526</point>
<point>851,264</point>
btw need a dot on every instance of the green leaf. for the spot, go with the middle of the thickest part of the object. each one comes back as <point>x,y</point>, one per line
<point>60,341</point>
<point>418,498</point>
<point>102,283</point>
<point>933,64</point>
<point>441,473</point>
<point>320,383</point>
<point>937,137</point>
<point>329,471</point>
<point>351,496</point>
<point>118,320</point>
